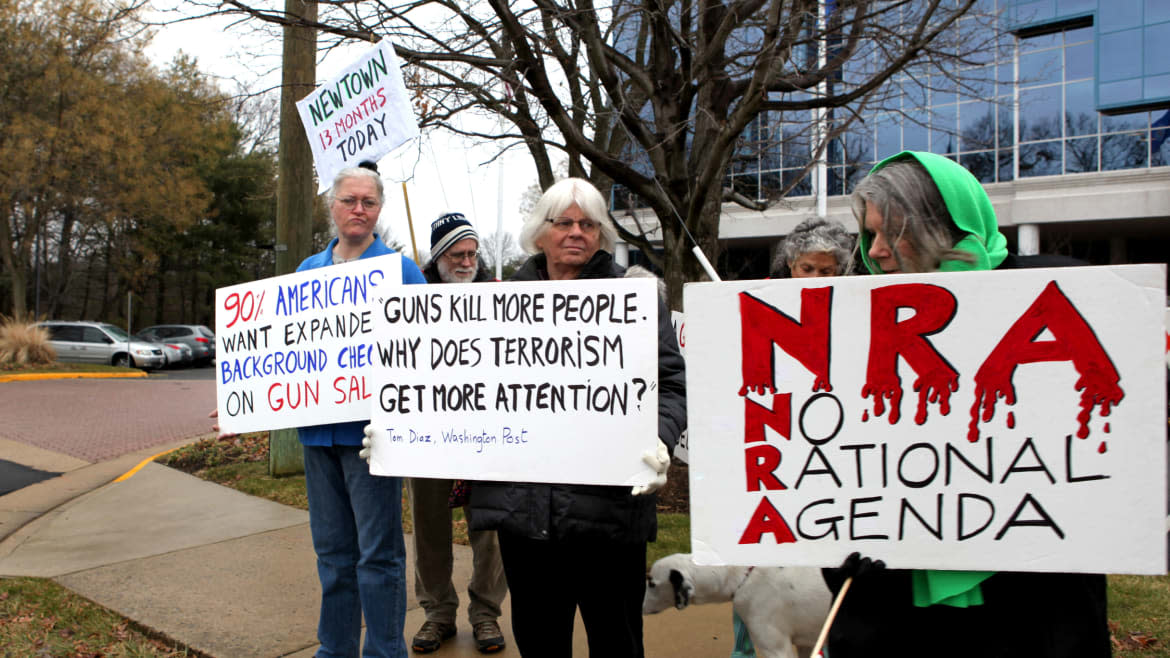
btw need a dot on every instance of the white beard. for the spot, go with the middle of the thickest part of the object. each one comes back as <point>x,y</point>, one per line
<point>457,275</point>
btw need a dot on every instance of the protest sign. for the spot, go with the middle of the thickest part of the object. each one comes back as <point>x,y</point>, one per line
<point>295,350</point>
<point>678,321</point>
<point>361,114</point>
<point>530,381</point>
<point>1011,420</point>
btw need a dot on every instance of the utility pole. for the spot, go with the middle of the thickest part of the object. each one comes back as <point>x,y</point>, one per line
<point>295,189</point>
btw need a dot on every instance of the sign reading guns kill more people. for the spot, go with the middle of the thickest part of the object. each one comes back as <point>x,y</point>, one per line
<point>1008,420</point>
<point>295,350</point>
<point>526,381</point>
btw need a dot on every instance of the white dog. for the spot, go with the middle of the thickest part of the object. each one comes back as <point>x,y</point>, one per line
<point>782,607</point>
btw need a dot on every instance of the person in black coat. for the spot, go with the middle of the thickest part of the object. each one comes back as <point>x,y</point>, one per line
<point>570,546</point>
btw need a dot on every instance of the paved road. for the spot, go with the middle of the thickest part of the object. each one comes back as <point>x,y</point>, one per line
<point>99,419</point>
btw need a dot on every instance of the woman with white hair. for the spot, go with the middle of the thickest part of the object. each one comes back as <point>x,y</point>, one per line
<point>815,248</point>
<point>570,546</point>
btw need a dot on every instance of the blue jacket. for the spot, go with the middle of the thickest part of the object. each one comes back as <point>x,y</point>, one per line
<point>348,434</point>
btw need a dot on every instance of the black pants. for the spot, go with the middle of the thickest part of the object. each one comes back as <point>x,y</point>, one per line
<point>549,580</point>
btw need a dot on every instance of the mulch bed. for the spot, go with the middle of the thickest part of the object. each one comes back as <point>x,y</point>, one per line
<point>675,496</point>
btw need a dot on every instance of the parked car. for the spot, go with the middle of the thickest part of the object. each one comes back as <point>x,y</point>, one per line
<point>100,342</point>
<point>178,355</point>
<point>200,339</point>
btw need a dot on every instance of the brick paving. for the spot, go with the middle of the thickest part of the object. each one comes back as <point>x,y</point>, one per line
<point>99,419</point>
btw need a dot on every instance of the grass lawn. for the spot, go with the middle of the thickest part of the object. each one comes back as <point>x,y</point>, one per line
<point>10,368</point>
<point>40,618</point>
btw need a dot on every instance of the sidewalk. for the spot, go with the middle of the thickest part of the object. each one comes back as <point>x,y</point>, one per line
<point>222,572</point>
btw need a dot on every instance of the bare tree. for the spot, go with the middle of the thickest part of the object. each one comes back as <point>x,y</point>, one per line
<point>656,95</point>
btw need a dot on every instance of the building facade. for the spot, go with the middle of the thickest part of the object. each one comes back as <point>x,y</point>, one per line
<point>1064,119</point>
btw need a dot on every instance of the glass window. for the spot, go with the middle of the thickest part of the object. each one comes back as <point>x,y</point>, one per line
<point>1122,122</point>
<point>1032,12</point>
<point>1157,86</point>
<point>93,335</point>
<point>1040,42</point>
<point>1069,7</point>
<point>1078,61</point>
<point>1007,159</point>
<point>770,185</point>
<point>981,164</point>
<point>1157,10</point>
<point>889,135</point>
<point>942,133</point>
<point>1157,49</point>
<point>1120,92</point>
<point>855,174</point>
<point>1042,67</point>
<point>915,135</point>
<point>1040,159</point>
<point>1039,113</point>
<point>858,143</point>
<point>748,185</point>
<point>1080,111</point>
<point>835,181</point>
<point>1006,133</point>
<point>980,82</point>
<point>943,90</point>
<point>1079,34</point>
<point>802,187</point>
<point>1160,148</point>
<point>1080,154</point>
<point>1123,151</point>
<point>977,126</point>
<point>1120,15</point>
<point>1120,55</point>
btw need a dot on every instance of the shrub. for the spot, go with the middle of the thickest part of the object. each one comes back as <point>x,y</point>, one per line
<point>24,344</point>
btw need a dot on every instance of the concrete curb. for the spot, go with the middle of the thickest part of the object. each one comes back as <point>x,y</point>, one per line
<point>38,376</point>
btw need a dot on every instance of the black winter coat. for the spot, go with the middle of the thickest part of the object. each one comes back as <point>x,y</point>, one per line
<point>578,511</point>
<point>1024,615</point>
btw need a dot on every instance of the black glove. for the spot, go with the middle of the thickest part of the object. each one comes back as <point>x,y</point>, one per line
<point>855,566</point>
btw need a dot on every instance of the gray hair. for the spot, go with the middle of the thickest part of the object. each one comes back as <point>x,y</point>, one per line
<point>356,172</point>
<point>814,235</point>
<point>912,209</point>
<point>555,200</point>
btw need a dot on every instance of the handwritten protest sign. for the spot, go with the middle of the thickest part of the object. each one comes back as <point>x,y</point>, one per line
<point>295,350</point>
<point>528,381</point>
<point>362,114</point>
<point>1010,420</point>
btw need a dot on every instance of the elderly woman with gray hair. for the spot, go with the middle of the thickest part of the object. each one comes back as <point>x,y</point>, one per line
<point>569,546</point>
<point>815,248</point>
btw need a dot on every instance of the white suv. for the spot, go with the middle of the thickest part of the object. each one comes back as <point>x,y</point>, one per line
<point>99,342</point>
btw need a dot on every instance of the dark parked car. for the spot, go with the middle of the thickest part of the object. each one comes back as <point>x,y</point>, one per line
<point>198,337</point>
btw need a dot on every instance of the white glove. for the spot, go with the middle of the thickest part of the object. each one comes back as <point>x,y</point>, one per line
<point>367,441</point>
<point>659,460</point>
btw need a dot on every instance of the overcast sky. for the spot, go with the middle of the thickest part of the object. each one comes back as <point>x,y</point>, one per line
<point>446,173</point>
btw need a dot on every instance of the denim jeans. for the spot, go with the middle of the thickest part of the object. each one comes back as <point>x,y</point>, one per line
<point>356,523</point>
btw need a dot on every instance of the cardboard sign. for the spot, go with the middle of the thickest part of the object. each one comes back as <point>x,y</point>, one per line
<point>526,381</point>
<point>1011,420</point>
<point>362,114</point>
<point>295,350</point>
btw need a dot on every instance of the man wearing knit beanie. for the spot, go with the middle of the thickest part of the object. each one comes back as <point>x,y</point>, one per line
<point>454,259</point>
<point>454,251</point>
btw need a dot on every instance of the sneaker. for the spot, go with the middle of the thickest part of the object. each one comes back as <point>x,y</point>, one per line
<point>431,635</point>
<point>488,637</point>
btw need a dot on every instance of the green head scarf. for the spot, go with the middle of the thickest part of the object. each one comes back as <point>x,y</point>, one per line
<point>970,209</point>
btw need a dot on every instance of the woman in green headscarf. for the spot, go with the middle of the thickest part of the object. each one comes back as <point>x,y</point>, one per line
<point>921,212</point>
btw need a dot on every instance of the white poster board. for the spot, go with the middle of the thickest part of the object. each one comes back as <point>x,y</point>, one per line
<point>295,350</point>
<point>361,114</point>
<point>1011,420</point>
<point>678,321</point>
<point>523,381</point>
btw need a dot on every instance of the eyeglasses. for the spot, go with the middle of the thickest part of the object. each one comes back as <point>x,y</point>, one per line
<point>565,224</point>
<point>460,256</point>
<point>350,203</point>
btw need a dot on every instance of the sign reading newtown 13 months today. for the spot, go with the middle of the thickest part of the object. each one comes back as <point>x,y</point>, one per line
<point>532,381</point>
<point>1011,420</point>
<point>361,114</point>
<point>295,350</point>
